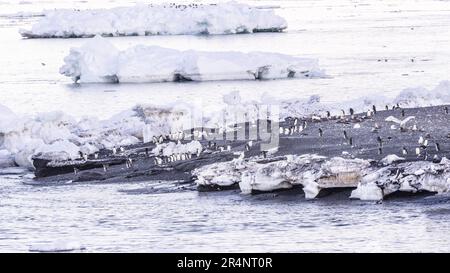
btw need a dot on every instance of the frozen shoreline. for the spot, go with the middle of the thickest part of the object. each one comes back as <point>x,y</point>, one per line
<point>61,136</point>
<point>99,61</point>
<point>166,19</point>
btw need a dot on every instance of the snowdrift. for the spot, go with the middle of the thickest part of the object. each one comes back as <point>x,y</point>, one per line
<point>99,61</point>
<point>167,19</point>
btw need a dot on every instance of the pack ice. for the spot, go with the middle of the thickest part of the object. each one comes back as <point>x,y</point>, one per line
<point>99,61</point>
<point>149,19</point>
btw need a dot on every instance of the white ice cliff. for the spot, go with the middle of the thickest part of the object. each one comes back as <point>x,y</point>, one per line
<point>99,61</point>
<point>150,19</point>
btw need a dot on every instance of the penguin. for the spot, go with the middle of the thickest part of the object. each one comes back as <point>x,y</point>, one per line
<point>350,141</point>
<point>281,130</point>
<point>105,167</point>
<point>403,112</point>
<point>380,151</point>
<point>228,147</point>
<point>387,107</point>
<point>96,155</point>
<point>414,128</point>
<point>320,132</point>
<point>374,108</point>
<point>436,159</point>
<point>264,153</point>
<point>75,171</point>
<point>421,140</point>
<point>114,150</point>
<point>345,134</point>
<point>343,112</point>
<point>328,114</point>
<point>352,112</point>
<point>146,151</point>
<point>446,110</point>
<point>404,151</point>
<point>437,146</point>
<point>85,157</point>
<point>80,154</point>
<point>161,139</point>
<point>380,141</point>
<point>121,149</point>
<point>418,151</point>
<point>247,148</point>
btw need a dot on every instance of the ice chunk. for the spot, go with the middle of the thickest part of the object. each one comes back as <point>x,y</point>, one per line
<point>150,19</point>
<point>99,61</point>
<point>58,246</point>
<point>367,192</point>
<point>389,159</point>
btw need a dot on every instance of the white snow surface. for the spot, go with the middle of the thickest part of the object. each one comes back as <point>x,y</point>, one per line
<point>99,61</point>
<point>149,19</point>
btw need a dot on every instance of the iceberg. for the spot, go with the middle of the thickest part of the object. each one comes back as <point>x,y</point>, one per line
<point>150,19</point>
<point>99,61</point>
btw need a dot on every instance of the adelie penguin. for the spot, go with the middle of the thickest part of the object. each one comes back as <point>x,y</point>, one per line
<point>345,134</point>
<point>404,151</point>
<point>320,132</point>
<point>437,146</point>
<point>380,141</point>
<point>374,108</point>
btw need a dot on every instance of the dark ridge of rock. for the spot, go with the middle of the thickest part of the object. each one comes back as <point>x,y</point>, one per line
<point>373,138</point>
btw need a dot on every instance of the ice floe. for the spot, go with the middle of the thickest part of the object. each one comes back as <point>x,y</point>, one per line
<point>150,19</point>
<point>99,61</point>
<point>57,246</point>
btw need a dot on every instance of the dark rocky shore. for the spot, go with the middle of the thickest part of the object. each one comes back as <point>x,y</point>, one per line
<point>426,137</point>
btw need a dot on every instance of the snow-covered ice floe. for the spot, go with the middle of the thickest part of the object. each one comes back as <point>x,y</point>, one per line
<point>314,173</point>
<point>57,136</point>
<point>149,19</point>
<point>99,61</point>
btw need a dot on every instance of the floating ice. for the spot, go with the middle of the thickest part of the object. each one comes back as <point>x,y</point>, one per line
<point>58,246</point>
<point>167,19</point>
<point>99,61</point>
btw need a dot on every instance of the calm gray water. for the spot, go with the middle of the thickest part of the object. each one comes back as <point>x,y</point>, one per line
<point>107,218</point>
<point>346,36</point>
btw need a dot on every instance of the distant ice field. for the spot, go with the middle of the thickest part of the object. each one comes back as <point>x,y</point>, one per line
<point>366,48</point>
